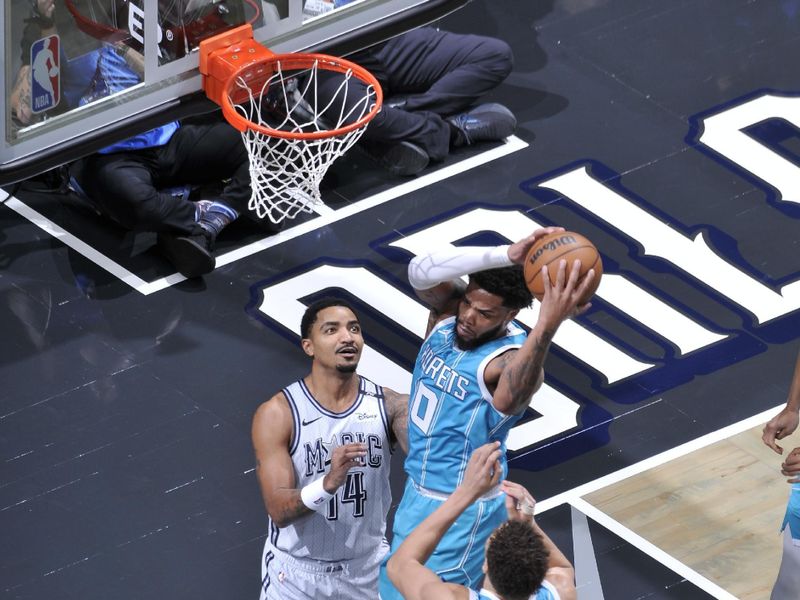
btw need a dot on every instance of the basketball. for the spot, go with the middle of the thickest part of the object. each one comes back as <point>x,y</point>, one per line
<point>550,250</point>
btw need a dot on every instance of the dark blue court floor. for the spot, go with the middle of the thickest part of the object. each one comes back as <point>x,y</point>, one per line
<point>126,469</point>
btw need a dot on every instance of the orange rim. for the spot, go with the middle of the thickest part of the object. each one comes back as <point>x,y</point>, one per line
<point>296,61</point>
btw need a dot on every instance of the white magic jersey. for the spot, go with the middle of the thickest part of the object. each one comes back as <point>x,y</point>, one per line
<point>353,523</point>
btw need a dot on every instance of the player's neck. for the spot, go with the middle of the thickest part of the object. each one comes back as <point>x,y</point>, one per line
<point>487,586</point>
<point>333,389</point>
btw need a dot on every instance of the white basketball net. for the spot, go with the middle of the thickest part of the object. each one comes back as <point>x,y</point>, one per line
<point>285,174</point>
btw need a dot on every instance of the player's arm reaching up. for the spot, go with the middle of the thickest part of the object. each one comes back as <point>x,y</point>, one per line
<point>516,375</point>
<point>560,572</point>
<point>406,567</point>
<point>272,437</point>
<point>436,276</point>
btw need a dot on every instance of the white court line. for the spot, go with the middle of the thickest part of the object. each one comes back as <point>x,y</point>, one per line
<point>75,243</point>
<point>651,550</point>
<point>575,498</point>
<point>327,216</point>
<point>658,459</point>
<point>513,144</point>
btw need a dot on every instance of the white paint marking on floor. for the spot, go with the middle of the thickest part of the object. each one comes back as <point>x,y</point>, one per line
<point>513,144</point>
<point>76,244</point>
<point>651,550</point>
<point>658,459</point>
<point>327,216</point>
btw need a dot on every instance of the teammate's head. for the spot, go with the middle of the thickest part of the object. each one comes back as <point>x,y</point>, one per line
<point>516,560</point>
<point>491,300</point>
<point>331,334</point>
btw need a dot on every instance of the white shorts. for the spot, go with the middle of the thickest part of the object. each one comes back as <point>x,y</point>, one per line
<point>284,577</point>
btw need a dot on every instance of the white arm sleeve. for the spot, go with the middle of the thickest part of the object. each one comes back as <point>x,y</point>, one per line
<point>429,270</point>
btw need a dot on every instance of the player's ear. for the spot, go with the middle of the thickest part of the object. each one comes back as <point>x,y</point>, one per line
<point>308,347</point>
<point>511,315</point>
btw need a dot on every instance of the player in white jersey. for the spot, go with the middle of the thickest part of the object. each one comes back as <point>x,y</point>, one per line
<point>323,449</point>
<point>474,377</point>
<point>522,562</point>
<point>787,585</point>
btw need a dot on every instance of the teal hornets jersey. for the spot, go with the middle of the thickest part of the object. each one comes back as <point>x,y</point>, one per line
<point>450,409</point>
<point>546,592</point>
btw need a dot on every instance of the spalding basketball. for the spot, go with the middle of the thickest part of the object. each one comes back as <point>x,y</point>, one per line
<point>550,250</point>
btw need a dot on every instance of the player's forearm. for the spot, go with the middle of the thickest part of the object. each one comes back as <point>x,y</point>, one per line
<point>428,270</point>
<point>286,506</point>
<point>523,374</point>
<point>556,557</point>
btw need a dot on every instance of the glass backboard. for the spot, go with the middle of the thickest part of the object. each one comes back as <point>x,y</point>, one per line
<point>62,99</point>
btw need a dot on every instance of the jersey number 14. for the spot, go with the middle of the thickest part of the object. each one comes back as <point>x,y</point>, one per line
<point>352,492</point>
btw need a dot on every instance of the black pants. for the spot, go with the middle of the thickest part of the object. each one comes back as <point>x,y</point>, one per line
<point>439,74</point>
<point>128,186</point>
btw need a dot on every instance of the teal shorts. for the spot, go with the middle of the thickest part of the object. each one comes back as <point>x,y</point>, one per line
<point>792,518</point>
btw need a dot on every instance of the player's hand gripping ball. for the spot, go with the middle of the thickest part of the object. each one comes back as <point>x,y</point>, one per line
<point>550,250</point>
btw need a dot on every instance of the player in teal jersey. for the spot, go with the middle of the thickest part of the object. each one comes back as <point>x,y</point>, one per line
<point>474,377</point>
<point>522,563</point>
<point>787,585</point>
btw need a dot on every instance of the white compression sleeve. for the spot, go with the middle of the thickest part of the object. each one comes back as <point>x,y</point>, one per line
<point>428,270</point>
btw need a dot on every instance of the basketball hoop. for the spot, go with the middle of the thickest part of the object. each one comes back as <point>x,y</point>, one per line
<point>291,135</point>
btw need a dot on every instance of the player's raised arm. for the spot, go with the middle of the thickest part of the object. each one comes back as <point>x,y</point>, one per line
<point>407,568</point>
<point>560,572</point>
<point>435,276</point>
<point>271,434</point>
<point>515,376</point>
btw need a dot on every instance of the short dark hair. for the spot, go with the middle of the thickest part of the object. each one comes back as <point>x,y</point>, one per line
<point>506,282</point>
<point>310,316</point>
<point>516,560</point>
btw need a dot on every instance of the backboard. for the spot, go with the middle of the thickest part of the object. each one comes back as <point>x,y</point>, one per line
<point>58,105</point>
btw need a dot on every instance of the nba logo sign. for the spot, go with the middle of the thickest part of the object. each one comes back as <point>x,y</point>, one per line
<point>45,74</point>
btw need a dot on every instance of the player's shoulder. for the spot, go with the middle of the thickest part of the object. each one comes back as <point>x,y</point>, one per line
<point>441,325</point>
<point>369,387</point>
<point>273,411</point>
<point>561,584</point>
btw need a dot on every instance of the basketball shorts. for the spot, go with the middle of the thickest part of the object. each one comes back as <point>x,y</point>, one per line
<point>284,577</point>
<point>459,556</point>
<point>792,518</point>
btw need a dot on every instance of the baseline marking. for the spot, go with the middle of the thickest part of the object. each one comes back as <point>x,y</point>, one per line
<point>327,216</point>
<point>651,550</point>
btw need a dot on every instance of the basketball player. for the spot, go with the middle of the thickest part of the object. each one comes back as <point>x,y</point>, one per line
<point>787,586</point>
<point>521,563</point>
<point>323,449</point>
<point>473,379</point>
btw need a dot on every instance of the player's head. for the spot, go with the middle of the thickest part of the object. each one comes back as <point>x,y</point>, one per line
<point>331,334</point>
<point>491,300</point>
<point>516,560</point>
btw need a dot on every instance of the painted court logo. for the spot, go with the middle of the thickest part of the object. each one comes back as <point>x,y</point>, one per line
<point>45,74</point>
